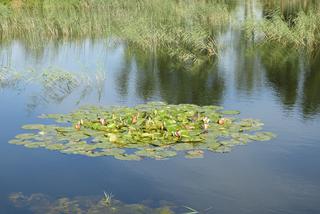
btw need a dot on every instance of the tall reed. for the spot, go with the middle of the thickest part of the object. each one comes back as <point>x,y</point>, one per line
<point>183,29</point>
<point>303,31</point>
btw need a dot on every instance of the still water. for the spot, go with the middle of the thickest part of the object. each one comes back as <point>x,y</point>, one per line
<point>279,86</point>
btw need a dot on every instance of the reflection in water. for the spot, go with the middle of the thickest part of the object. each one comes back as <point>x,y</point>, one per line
<point>293,76</point>
<point>248,73</point>
<point>146,77</point>
<point>311,88</point>
<point>9,78</point>
<point>287,70</point>
<point>123,75</point>
<point>282,72</point>
<point>39,203</point>
<point>157,74</point>
<point>52,85</point>
<point>153,76</point>
<point>203,85</point>
<point>261,80</point>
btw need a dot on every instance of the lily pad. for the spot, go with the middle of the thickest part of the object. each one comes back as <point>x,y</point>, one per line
<point>194,154</point>
<point>230,112</point>
<point>127,157</point>
<point>183,146</point>
<point>25,136</point>
<point>152,130</point>
<point>34,126</point>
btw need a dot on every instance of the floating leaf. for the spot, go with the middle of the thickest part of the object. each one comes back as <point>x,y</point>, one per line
<point>230,112</point>
<point>183,146</point>
<point>25,136</point>
<point>153,130</point>
<point>127,157</point>
<point>55,147</point>
<point>262,136</point>
<point>34,126</point>
<point>194,154</point>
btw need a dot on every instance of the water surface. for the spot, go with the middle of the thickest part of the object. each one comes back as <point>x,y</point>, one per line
<point>279,86</point>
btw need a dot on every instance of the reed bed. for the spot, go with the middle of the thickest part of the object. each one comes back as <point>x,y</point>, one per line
<point>184,29</point>
<point>302,31</point>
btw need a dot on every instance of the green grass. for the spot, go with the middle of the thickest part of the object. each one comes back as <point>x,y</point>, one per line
<point>183,29</point>
<point>302,31</point>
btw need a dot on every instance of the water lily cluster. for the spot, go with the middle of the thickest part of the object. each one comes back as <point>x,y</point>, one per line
<point>153,130</point>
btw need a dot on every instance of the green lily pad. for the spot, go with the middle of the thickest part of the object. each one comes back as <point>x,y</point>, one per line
<point>113,151</point>
<point>153,130</point>
<point>127,157</point>
<point>26,136</point>
<point>55,147</point>
<point>262,136</point>
<point>183,146</point>
<point>34,126</point>
<point>19,142</point>
<point>195,154</point>
<point>230,112</point>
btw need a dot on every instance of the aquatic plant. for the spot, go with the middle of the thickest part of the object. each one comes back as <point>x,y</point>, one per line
<point>183,30</point>
<point>9,78</point>
<point>39,203</point>
<point>300,31</point>
<point>107,198</point>
<point>153,130</point>
<point>54,84</point>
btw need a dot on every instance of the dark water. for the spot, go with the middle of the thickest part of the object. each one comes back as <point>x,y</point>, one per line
<point>279,86</point>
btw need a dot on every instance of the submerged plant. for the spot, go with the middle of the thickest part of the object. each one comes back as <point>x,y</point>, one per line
<point>153,130</point>
<point>39,203</point>
<point>9,78</point>
<point>55,84</point>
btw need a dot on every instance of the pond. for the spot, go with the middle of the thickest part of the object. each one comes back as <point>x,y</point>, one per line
<point>278,85</point>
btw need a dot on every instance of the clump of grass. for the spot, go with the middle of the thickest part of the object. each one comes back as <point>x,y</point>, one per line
<point>302,31</point>
<point>182,29</point>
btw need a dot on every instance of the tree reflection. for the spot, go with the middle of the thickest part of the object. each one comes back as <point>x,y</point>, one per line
<point>175,82</point>
<point>282,72</point>
<point>311,88</point>
<point>146,76</point>
<point>123,75</point>
<point>154,74</point>
<point>203,85</point>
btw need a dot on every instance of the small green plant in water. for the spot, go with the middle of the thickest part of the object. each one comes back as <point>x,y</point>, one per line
<point>107,198</point>
<point>153,130</point>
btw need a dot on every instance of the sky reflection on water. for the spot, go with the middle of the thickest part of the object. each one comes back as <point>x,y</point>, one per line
<point>278,86</point>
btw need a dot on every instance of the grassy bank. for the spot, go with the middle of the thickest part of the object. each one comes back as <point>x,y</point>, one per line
<point>184,29</point>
